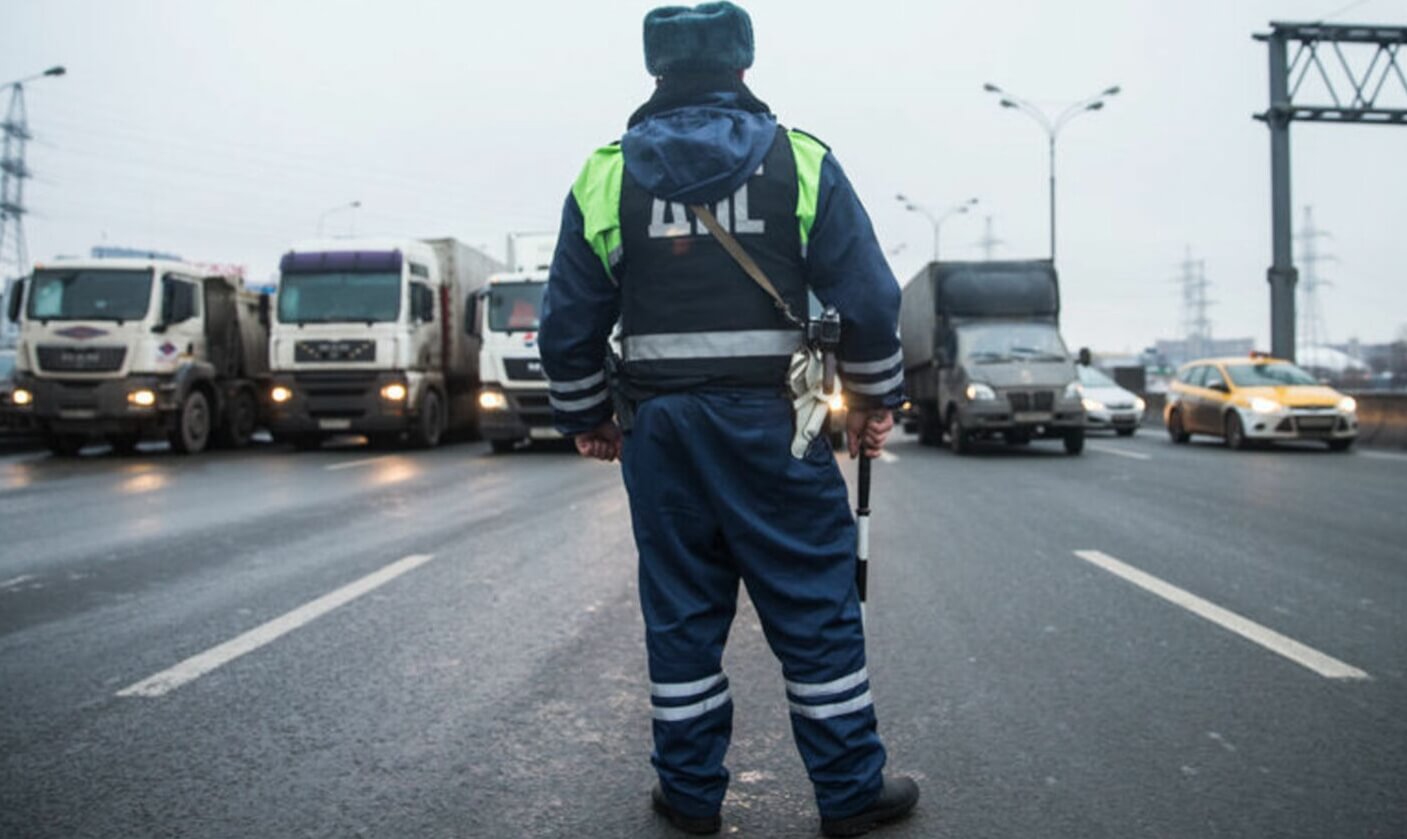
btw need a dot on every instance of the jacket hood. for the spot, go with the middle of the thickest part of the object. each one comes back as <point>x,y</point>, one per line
<point>698,147</point>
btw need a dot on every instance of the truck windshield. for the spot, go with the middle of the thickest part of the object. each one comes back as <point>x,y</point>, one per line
<point>88,294</point>
<point>339,297</point>
<point>1268,375</point>
<point>995,343</point>
<point>515,307</point>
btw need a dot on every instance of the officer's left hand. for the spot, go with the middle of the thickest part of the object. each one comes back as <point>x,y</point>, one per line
<point>871,426</point>
<point>602,442</point>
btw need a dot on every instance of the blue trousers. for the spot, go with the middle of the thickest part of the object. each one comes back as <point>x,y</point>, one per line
<point>716,497</point>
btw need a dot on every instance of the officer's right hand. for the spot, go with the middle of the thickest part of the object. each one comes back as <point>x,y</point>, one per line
<point>602,442</point>
<point>870,427</point>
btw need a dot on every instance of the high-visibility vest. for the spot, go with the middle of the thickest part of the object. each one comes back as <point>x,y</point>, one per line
<point>690,316</point>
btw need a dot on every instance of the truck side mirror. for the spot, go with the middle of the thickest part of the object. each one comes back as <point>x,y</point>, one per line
<point>1085,358</point>
<point>16,301</point>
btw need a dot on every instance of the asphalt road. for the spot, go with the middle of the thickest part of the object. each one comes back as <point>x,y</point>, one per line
<point>447,644</point>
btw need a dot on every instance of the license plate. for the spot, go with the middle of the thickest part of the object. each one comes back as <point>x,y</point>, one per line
<point>1031,416</point>
<point>544,434</point>
<point>334,424</point>
<point>78,413</point>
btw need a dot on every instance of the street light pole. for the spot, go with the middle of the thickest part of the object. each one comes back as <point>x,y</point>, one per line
<point>350,205</point>
<point>1052,130</point>
<point>936,221</point>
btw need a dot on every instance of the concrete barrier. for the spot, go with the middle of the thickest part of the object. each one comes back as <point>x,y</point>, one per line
<point>1382,417</point>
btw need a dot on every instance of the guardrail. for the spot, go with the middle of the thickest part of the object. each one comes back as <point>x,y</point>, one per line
<point>1382,417</point>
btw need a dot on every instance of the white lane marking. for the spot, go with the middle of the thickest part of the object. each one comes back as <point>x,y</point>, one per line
<point>1382,455</point>
<point>198,665</point>
<point>1120,452</point>
<point>17,581</point>
<point>1326,666</point>
<point>352,464</point>
<point>888,457</point>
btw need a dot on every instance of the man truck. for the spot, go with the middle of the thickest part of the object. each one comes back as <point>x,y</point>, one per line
<point>133,348</point>
<point>983,355</point>
<point>376,336</point>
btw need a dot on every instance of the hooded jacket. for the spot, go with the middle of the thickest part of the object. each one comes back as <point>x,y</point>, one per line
<point>697,141</point>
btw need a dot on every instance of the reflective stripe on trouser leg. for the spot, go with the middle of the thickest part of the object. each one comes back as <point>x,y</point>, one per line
<point>789,530</point>
<point>688,594</point>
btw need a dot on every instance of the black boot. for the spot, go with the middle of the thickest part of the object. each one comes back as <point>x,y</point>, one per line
<point>688,824</point>
<point>896,799</point>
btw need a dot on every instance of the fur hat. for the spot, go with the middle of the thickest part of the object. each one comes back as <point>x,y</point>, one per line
<point>708,37</point>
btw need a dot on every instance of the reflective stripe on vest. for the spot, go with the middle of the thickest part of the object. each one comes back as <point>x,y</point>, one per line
<point>753,343</point>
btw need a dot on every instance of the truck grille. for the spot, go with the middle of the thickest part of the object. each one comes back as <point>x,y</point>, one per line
<point>334,351</point>
<point>1039,400</point>
<point>337,395</point>
<point>523,369</point>
<point>60,359</point>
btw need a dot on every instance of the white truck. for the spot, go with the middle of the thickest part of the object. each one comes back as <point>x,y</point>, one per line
<point>133,348</point>
<point>513,401</point>
<point>375,336</point>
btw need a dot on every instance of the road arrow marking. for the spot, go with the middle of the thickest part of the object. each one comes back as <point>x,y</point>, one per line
<point>198,665</point>
<point>1326,666</point>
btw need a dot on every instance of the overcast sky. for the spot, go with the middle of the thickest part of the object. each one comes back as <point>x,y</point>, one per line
<point>224,131</point>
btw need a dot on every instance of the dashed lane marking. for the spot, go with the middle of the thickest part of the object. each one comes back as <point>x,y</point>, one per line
<point>888,457</point>
<point>1325,665</point>
<point>352,464</point>
<point>1382,455</point>
<point>198,665</point>
<point>1121,452</point>
<point>16,581</point>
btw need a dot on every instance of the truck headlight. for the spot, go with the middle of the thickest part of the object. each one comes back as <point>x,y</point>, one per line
<point>1092,404</point>
<point>1139,405</point>
<point>22,397</point>
<point>836,401</point>
<point>143,398</point>
<point>1347,404</point>
<point>280,394</point>
<point>1074,390</point>
<point>394,392</point>
<point>978,392</point>
<point>1261,405</point>
<point>492,400</point>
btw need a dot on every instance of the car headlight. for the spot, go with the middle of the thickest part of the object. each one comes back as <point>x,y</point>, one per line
<point>143,398</point>
<point>492,400</point>
<point>1074,390</point>
<point>394,392</point>
<point>978,392</point>
<point>20,396</point>
<point>280,394</point>
<point>836,401</point>
<point>1139,405</point>
<point>1092,404</point>
<point>1261,405</point>
<point>1348,404</point>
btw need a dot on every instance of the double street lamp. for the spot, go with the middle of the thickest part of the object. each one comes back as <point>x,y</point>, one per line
<point>936,220</point>
<point>1052,129</point>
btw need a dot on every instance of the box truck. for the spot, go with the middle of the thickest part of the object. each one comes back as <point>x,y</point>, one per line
<point>983,356</point>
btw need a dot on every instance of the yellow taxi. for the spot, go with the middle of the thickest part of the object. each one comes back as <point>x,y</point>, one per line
<point>1255,398</point>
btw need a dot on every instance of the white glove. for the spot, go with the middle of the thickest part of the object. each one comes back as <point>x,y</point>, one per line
<point>809,405</point>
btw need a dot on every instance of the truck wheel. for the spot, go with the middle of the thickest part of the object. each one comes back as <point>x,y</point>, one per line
<point>930,427</point>
<point>1235,432</point>
<point>958,440</point>
<point>192,431</point>
<point>1176,430</point>
<point>241,415</point>
<point>65,445</point>
<point>430,424</point>
<point>1075,442</point>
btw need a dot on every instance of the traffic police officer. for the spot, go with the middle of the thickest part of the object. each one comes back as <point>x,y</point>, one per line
<point>716,495</point>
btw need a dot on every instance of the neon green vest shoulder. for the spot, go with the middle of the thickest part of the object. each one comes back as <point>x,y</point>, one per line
<point>597,194</point>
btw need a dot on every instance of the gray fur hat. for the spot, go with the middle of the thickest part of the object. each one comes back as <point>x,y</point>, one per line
<point>708,37</point>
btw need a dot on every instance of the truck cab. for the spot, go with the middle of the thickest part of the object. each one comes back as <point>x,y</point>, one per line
<point>131,348</point>
<point>513,401</point>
